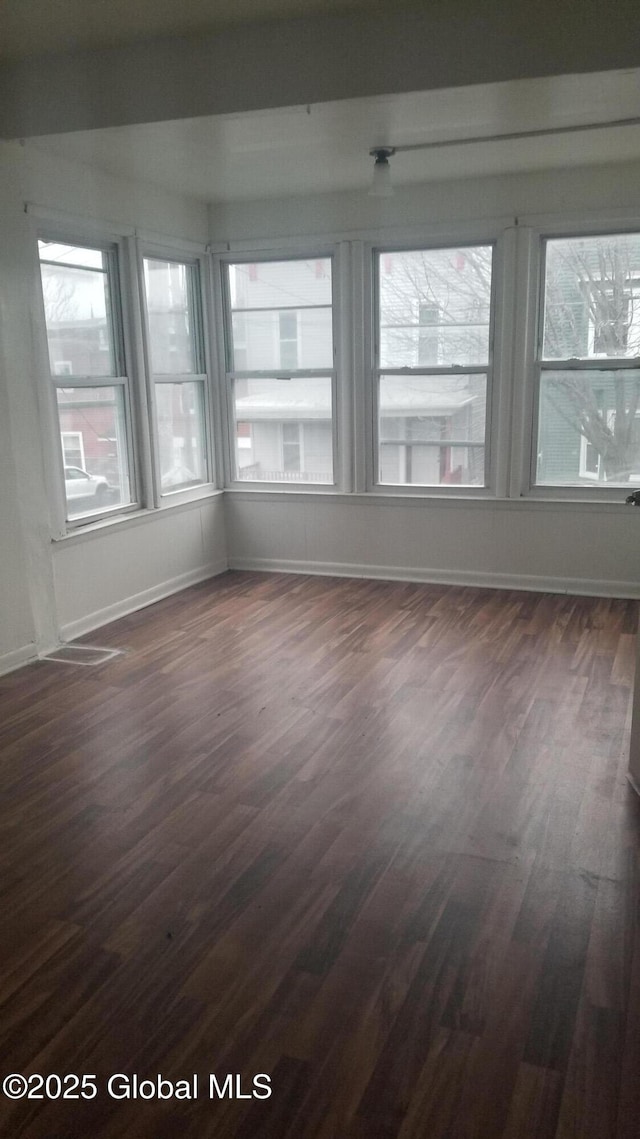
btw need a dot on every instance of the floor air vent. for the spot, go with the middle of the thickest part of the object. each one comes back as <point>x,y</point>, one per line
<point>87,655</point>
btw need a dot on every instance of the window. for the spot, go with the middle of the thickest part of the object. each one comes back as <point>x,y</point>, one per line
<point>87,367</point>
<point>589,459</point>
<point>72,448</point>
<point>433,366</point>
<point>281,370</point>
<point>176,353</point>
<point>292,447</point>
<point>428,337</point>
<point>588,371</point>
<point>288,340</point>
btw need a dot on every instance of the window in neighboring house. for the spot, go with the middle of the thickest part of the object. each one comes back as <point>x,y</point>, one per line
<point>72,448</point>
<point>589,459</point>
<point>586,370</point>
<point>176,351</point>
<point>428,317</point>
<point>292,447</point>
<point>288,332</point>
<point>240,342</point>
<point>83,310</point>
<point>433,366</point>
<point>281,368</point>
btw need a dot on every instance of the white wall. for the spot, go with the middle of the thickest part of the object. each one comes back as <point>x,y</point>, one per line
<point>514,543</point>
<point>87,192</point>
<point>103,575</point>
<point>25,567</point>
<point>511,545</point>
<point>52,589</point>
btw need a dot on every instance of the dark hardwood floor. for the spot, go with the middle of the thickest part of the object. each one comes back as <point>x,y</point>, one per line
<point>371,839</point>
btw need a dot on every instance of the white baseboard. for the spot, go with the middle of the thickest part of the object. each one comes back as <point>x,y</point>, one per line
<point>17,657</point>
<point>536,584</point>
<point>128,605</point>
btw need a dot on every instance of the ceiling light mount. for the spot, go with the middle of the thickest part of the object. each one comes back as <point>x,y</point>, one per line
<point>381,183</point>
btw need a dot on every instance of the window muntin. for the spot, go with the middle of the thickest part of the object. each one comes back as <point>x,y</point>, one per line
<point>588,390</point>
<point>176,355</point>
<point>83,319</point>
<point>433,366</point>
<point>281,378</point>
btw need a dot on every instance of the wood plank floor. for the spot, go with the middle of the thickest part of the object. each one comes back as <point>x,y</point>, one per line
<point>371,839</point>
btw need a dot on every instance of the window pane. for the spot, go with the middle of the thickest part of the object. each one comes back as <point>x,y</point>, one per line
<point>284,430</point>
<point>268,340</point>
<point>181,438</point>
<point>280,284</point>
<point>592,297</point>
<point>589,428</point>
<point>281,315</point>
<point>77,307</point>
<point>431,430</point>
<point>434,307</point>
<point>72,255</point>
<point>92,425</point>
<point>170,293</point>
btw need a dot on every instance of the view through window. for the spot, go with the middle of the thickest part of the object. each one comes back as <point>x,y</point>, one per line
<point>589,379</point>
<point>176,350</point>
<point>281,372</point>
<point>434,312</point>
<point>86,357</point>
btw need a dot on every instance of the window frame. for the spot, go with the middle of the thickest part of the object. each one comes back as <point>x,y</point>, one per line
<point>500,236</point>
<point>182,254</point>
<point>114,245</point>
<point>338,373</point>
<point>535,232</point>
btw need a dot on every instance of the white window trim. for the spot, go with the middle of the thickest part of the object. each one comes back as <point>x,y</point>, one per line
<point>496,440</point>
<point>90,236</point>
<point>339,374</point>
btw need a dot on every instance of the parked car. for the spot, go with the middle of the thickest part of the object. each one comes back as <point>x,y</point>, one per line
<point>80,484</point>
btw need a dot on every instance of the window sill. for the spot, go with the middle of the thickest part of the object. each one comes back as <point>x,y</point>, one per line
<point>135,518</point>
<point>483,500</point>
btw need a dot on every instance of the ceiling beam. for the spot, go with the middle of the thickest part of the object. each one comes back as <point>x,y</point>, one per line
<point>315,59</point>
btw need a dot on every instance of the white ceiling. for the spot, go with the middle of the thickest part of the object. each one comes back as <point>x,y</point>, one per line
<point>43,27</point>
<point>302,150</point>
